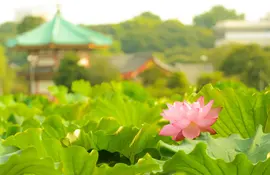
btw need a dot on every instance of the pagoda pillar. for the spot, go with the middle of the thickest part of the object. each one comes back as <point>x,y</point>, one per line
<point>32,62</point>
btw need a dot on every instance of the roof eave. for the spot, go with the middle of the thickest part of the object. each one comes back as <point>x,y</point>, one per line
<point>59,46</point>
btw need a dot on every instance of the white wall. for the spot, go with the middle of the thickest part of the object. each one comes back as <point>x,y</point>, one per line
<point>256,37</point>
<point>248,35</point>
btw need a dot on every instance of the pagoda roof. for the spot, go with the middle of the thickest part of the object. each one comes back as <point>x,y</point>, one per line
<point>59,34</point>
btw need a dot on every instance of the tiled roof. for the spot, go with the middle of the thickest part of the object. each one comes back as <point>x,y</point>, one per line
<point>130,62</point>
<point>165,66</point>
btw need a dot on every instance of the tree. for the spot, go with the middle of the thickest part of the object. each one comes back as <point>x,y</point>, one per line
<point>237,60</point>
<point>29,23</point>
<point>175,83</point>
<point>257,71</point>
<point>267,48</point>
<point>214,78</point>
<point>218,54</point>
<point>147,32</point>
<point>102,71</point>
<point>11,29</point>
<point>7,75</point>
<point>178,83</point>
<point>204,37</point>
<point>7,30</point>
<point>251,63</point>
<point>3,69</point>
<point>115,48</point>
<point>69,71</point>
<point>178,80</point>
<point>214,15</point>
<point>150,75</point>
<point>161,84</point>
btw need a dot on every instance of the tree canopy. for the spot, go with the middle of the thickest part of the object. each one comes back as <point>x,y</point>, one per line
<point>251,63</point>
<point>29,23</point>
<point>69,71</point>
<point>7,75</point>
<point>215,14</point>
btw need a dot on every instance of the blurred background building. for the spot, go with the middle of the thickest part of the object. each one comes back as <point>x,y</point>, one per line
<point>242,31</point>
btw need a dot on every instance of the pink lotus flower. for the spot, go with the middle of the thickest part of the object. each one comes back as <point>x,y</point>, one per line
<point>189,120</point>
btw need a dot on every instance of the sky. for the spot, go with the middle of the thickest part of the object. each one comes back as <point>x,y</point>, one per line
<point>115,11</point>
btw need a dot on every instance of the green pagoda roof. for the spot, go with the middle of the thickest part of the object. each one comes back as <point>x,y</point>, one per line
<point>59,33</point>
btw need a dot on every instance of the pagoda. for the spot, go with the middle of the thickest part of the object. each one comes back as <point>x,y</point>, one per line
<point>46,45</point>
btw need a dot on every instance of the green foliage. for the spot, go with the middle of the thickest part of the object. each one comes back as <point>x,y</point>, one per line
<point>182,54</point>
<point>207,78</point>
<point>28,162</point>
<point>198,162</point>
<point>232,144</point>
<point>113,128</point>
<point>160,84</point>
<point>214,78</point>
<point>159,88</point>
<point>244,110</point>
<point>177,80</point>
<point>115,48</point>
<point>69,70</point>
<point>7,30</point>
<point>150,75</point>
<point>133,113</point>
<point>218,54</point>
<point>135,91</point>
<point>251,63</point>
<point>257,72</point>
<point>236,61</point>
<point>221,155</point>
<point>216,14</point>
<point>29,23</point>
<point>231,84</point>
<point>128,141</point>
<point>99,71</point>
<point>7,75</point>
<point>102,71</point>
<point>78,161</point>
<point>81,87</point>
<point>3,63</point>
<point>171,39</point>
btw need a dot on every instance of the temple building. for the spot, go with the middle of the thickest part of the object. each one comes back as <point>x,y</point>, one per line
<point>243,32</point>
<point>131,65</point>
<point>46,45</point>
